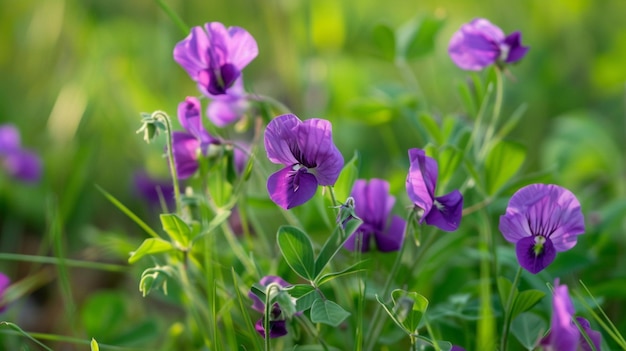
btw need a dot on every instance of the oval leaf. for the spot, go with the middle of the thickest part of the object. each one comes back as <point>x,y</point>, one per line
<point>176,228</point>
<point>503,161</point>
<point>297,250</point>
<point>328,312</point>
<point>148,247</point>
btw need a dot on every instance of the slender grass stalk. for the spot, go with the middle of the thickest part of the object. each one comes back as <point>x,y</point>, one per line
<point>608,326</point>
<point>5,256</point>
<point>377,323</point>
<point>497,108</point>
<point>507,310</point>
<point>170,155</point>
<point>174,17</point>
<point>486,334</point>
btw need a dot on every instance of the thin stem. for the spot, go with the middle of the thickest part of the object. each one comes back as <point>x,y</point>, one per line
<point>174,17</point>
<point>376,323</point>
<point>409,76</point>
<point>497,108</point>
<point>282,108</point>
<point>507,309</point>
<point>170,156</point>
<point>66,261</point>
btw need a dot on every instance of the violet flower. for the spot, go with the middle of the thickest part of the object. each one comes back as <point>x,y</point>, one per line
<point>190,145</point>
<point>541,220</point>
<point>309,155</point>
<point>479,44</point>
<point>214,56</point>
<point>228,108</point>
<point>373,206</point>
<point>445,211</point>
<point>278,324</point>
<point>17,162</point>
<point>564,334</point>
<point>154,191</point>
<point>5,282</point>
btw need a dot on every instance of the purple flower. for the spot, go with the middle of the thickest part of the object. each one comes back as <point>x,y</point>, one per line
<point>214,56</point>
<point>457,348</point>
<point>17,162</point>
<point>541,220</point>
<point>4,285</point>
<point>373,205</point>
<point>445,211</point>
<point>479,44</point>
<point>189,145</point>
<point>564,334</point>
<point>309,155</point>
<point>228,108</point>
<point>154,191</point>
<point>278,324</point>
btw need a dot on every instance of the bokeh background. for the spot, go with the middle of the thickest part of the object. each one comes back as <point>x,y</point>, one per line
<point>77,74</point>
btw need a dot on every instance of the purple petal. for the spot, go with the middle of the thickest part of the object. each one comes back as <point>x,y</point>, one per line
<point>23,165</point>
<point>372,201</point>
<point>190,53</point>
<point>9,139</point>
<point>289,188</point>
<point>516,50</point>
<point>457,348</point>
<point>529,259</point>
<point>5,282</point>
<point>185,148</point>
<point>243,48</point>
<point>259,305</point>
<point>152,190</point>
<point>277,328</point>
<point>215,81</point>
<point>547,210</point>
<point>392,238</point>
<point>280,139</point>
<point>190,118</point>
<point>318,151</point>
<point>226,111</point>
<point>564,334</point>
<point>596,337</point>
<point>364,233</point>
<point>476,45</point>
<point>421,180</point>
<point>447,212</point>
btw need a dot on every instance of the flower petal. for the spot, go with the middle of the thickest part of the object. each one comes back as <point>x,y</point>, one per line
<point>277,328</point>
<point>372,201</point>
<point>421,180</point>
<point>392,238</point>
<point>476,45</point>
<point>564,334</point>
<point>242,47</point>
<point>596,337</point>
<point>516,50</point>
<point>190,52</point>
<point>185,148</point>
<point>534,263</point>
<point>23,165</point>
<point>226,111</point>
<point>318,151</point>
<point>5,282</point>
<point>447,213</point>
<point>289,188</point>
<point>9,139</point>
<point>280,139</point>
<point>364,232</point>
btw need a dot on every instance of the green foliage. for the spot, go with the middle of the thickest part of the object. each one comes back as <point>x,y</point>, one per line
<point>503,162</point>
<point>297,251</point>
<point>150,246</point>
<point>328,312</point>
<point>526,327</point>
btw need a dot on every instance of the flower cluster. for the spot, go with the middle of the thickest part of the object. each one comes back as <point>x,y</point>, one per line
<point>17,162</point>
<point>277,320</point>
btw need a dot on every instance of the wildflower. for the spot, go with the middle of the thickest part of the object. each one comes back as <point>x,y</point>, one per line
<point>278,323</point>
<point>564,335</point>
<point>373,205</point>
<point>541,220</point>
<point>4,285</point>
<point>214,56</point>
<point>228,108</point>
<point>16,161</point>
<point>154,191</point>
<point>189,145</point>
<point>309,155</point>
<point>479,44</point>
<point>444,211</point>
<point>457,348</point>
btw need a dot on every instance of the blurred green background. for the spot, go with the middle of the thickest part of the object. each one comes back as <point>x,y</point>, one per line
<point>76,75</point>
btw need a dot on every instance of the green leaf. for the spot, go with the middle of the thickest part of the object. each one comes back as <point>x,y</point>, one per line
<point>333,244</point>
<point>526,328</point>
<point>449,160</point>
<point>409,308</point>
<point>305,295</point>
<point>526,300</point>
<point>503,161</point>
<point>432,128</point>
<point>357,267</point>
<point>418,37</point>
<point>297,250</point>
<point>328,312</point>
<point>219,218</point>
<point>150,246</point>
<point>178,230</point>
<point>384,40</point>
<point>349,173</point>
<point>504,289</point>
<point>372,110</point>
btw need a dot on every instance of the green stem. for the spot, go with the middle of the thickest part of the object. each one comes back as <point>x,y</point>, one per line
<point>409,76</point>
<point>497,108</point>
<point>377,323</point>
<point>170,156</point>
<point>507,309</point>
<point>174,17</point>
<point>66,261</point>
